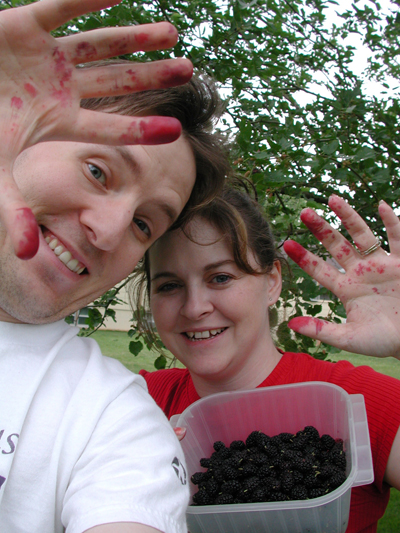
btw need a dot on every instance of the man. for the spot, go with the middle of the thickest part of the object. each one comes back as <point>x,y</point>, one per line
<point>84,193</point>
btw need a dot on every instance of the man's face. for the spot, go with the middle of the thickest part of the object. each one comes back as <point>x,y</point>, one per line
<point>99,208</point>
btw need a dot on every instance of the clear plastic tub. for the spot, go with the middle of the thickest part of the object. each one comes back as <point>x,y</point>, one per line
<point>232,416</point>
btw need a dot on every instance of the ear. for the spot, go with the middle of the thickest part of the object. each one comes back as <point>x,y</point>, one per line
<point>274,283</point>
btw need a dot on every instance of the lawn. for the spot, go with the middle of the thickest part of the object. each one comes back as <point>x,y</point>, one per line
<point>115,344</point>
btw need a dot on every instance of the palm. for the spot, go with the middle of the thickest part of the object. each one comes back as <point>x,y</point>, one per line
<point>41,89</point>
<point>369,287</point>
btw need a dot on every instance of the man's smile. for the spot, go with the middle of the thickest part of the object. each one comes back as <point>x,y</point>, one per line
<point>62,252</point>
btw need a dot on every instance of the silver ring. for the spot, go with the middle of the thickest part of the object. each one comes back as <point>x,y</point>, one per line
<point>371,249</point>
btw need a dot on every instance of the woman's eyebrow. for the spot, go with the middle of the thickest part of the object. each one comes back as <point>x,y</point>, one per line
<point>162,275</point>
<point>218,264</point>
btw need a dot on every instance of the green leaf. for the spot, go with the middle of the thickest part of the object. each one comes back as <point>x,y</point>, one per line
<point>330,148</point>
<point>160,362</point>
<point>135,347</point>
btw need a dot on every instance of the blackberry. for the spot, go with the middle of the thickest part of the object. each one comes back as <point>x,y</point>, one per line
<point>212,487</point>
<point>304,464</point>
<point>312,433</point>
<point>287,481</point>
<point>276,440</point>
<point>338,458</point>
<point>205,462</point>
<point>311,481</point>
<point>263,440</point>
<point>218,475</point>
<point>258,495</point>
<point>337,479</point>
<point>199,477</point>
<point>286,437</point>
<point>297,477</point>
<point>252,439</point>
<point>299,492</point>
<point>229,472</point>
<point>270,450</point>
<point>327,441</point>
<point>272,484</point>
<point>327,470</point>
<point>223,454</point>
<point>259,459</point>
<point>237,445</point>
<point>316,492</point>
<point>223,499</point>
<point>219,445</point>
<point>202,498</point>
<point>234,461</point>
<point>231,487</point>
<point>300,441</point>
<point>251,483</point>
<point>264,471</point>
<point>247,470</point>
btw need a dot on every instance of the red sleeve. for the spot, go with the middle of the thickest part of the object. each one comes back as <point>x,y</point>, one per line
<point>172,389</point>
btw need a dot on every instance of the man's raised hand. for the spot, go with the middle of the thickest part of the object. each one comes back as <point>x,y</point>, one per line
<point>41,89</point>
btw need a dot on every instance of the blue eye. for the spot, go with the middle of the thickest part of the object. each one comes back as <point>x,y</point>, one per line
<point>97,173</point>
<point>221,278</point>
<point>142,226</point>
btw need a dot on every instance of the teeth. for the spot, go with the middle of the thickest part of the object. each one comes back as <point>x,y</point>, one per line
<point>72,265</point>
<point>204,334</point>
<point>64,255</point>
<point>58,250</point>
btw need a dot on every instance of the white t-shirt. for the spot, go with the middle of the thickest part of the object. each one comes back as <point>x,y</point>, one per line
<point>82,443</point>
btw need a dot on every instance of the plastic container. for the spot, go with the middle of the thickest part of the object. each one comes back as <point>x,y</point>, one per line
<point>231,416</point>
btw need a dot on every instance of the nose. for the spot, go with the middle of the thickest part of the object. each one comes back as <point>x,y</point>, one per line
<point>106,222</point>
<point>197,304</point>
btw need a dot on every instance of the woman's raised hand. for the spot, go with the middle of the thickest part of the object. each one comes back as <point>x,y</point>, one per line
<point>41,89</point>
<point>369,287</point>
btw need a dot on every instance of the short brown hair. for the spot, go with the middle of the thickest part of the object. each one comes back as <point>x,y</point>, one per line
<point>197,105</point>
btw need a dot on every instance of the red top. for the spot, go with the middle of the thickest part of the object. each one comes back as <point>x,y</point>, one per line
<point>173,390</point>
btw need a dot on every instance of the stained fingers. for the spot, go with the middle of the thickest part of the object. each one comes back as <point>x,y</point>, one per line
<point>316,267</point>
<point>117,79</point>
<point>110,42</point>
<point>392,225</point>
<point>361,234</point>
<point>108,128</point>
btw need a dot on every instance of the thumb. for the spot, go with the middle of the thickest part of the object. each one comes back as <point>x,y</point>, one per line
<point>180,432</point>
<point>17,218</point>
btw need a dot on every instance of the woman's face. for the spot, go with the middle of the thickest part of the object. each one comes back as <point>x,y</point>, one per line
<point>209,314</point>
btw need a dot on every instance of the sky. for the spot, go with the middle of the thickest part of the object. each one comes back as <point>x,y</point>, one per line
<point>361,53</point>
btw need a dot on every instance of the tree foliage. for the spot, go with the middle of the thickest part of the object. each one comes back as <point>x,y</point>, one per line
<point>306,124</point>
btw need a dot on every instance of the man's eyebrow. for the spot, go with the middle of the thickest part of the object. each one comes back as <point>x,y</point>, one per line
<point>171,212</point>
<point>211,266</point>
<point>129,159</point>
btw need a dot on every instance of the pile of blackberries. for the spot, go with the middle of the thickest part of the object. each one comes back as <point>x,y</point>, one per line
<point>271,469</point>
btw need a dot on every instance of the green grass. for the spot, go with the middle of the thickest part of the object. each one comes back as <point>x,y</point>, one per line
<point>115,344</point>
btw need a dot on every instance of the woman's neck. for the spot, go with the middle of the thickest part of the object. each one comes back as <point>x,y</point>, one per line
<point>250,376</point>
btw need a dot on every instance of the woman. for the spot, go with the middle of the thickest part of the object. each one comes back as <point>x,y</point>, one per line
<point>210,286</point>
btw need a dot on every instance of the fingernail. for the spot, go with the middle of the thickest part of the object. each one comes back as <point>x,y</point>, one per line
<point>180,431</point>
